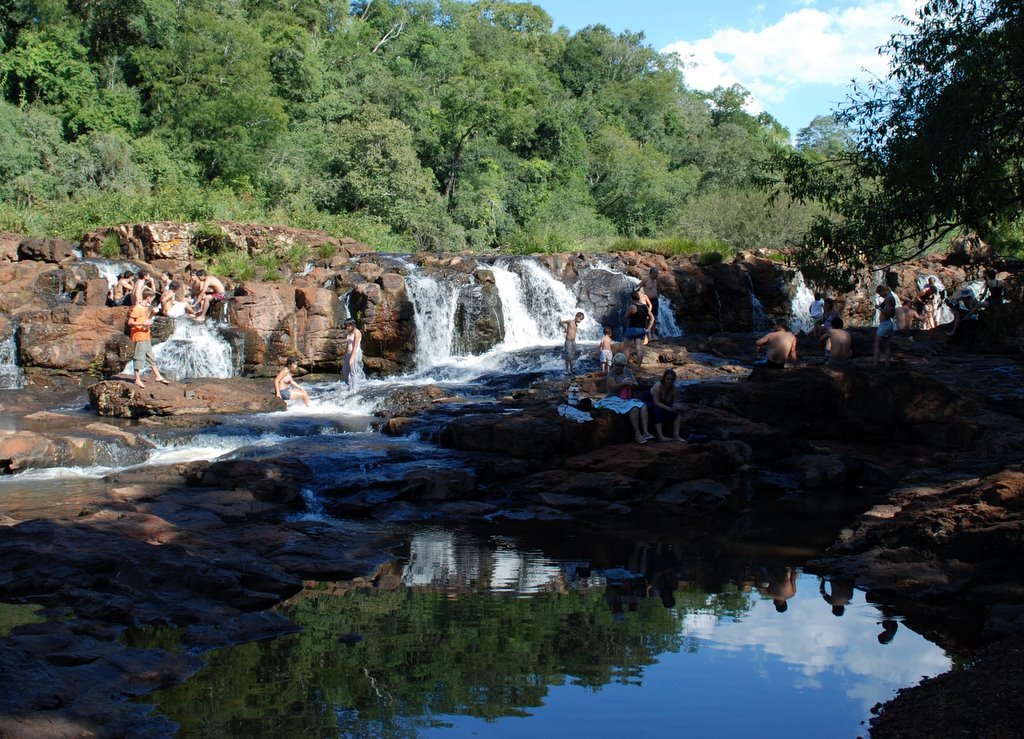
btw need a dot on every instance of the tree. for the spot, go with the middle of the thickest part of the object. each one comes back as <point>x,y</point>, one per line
<point>939,144</point>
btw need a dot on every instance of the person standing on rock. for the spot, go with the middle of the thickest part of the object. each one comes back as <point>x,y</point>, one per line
<point>638,323</point>
<point>886,325</point>
<point>140,318</point>
<point>817,313</point>
<point>652,290</point>
<point>604,350</point>
<point>569,349</point>
<point>779,348</point>
<point>352,364</point>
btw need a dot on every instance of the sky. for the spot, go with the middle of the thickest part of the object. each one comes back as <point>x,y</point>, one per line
<point>796,57</point>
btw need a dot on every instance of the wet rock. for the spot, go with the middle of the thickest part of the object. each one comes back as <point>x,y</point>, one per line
<point>701,493</point>
<point>75,337</point>
<point>479,320</point>
<point>100,446</point>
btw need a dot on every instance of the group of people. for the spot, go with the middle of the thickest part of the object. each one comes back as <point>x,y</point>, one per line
<point>286,387</point>
<point>192,295</point>
<point>139,291</point>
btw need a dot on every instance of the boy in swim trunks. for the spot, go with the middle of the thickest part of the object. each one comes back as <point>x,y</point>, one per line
<point>604,350</point>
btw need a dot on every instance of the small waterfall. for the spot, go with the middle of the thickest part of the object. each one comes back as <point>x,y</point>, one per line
<point>111,270</point>
<point>11,375</point>
<point>193,350</point>
<point>666,326</point>
<point>800,301</point>
<point>760,319</point>
<point>434,302</point>
<point>533,303</point>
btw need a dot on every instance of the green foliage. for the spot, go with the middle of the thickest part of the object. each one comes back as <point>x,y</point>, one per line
<point>111,247</point>
<point>435,125</point>
<point>938,142</point>
<point>710,249</point>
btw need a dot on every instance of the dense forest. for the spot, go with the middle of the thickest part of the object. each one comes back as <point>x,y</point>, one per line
<point>409,124</point>
<point>444,125</point>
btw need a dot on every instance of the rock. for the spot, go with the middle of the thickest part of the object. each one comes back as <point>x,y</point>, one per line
<point>9,246</point>
<point>702,493</point>
<point>479,320</point>
<point>75,337</point>
<point>207,396</point>
<point>45,250</point>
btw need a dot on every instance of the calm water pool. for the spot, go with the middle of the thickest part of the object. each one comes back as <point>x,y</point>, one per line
<point>479,637</point>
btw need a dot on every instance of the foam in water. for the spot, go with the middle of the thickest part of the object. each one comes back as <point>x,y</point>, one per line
<point>11,375</point>
<point>111,270</point>
<point>193,350</point>
<point>760,319</point>
<point>800,301</point>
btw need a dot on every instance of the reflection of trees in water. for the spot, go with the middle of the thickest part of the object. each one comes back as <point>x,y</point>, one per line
<point>424,654</point>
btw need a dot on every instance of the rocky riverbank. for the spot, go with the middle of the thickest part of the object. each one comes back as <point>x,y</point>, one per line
<point>208,548</point>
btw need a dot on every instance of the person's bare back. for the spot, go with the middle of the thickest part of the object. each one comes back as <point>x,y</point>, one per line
<point>779,347</point>
<point>838,345</point>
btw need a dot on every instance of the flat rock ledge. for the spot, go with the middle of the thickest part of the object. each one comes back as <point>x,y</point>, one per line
<point>124,399</point>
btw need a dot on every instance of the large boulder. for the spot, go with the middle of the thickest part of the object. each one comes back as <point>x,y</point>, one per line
<point>96,444</point>
<point>75,337</point>
<point>127,400</point>
<point>18,286</point>
<point>45,250</point>
<point>9,246</point>
<point>479,319</point>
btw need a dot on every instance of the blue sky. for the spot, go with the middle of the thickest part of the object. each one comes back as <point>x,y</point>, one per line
<point>797,57</point>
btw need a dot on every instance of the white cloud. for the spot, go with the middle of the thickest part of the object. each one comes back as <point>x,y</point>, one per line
<point>806,46</point>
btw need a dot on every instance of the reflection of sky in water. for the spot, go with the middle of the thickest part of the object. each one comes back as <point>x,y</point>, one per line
<point>761,673</point>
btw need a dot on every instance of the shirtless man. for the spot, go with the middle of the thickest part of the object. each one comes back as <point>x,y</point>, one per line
<point>929,298</point>
<point>838,345</point>
<point>779,347</point>
<point>209,290</point>
<point>652,291</point>
<point>905,317</point>
<point>350,365</point>
<point>569,326</point>
<point>143,282</point>
<point>886,325</point>
<point>121,291</point>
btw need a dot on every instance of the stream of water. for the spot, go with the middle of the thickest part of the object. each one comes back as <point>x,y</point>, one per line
<point>516,629</point>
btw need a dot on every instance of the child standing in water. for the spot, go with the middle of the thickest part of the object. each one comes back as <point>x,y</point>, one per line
<point>604,350</point>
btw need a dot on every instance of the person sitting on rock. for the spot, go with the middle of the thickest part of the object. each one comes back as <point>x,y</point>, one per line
<point>120,293</point>
<point>172,306</point>
<point>964,305</point>
<point>665,404</point>
<point>831,317</point>
<point>621,386</point>
<point>995,289</point>
<point>209,290</point>
<point>284,384</point>
<point>838,345</point>
<point>779,347</point>
<point>905,316</point>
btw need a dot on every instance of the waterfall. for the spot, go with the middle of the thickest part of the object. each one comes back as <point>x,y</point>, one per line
<point>111,270</point>
<point>760,319</point>
<point>533,303</point>
<point>800,301</point>
<point>11,376</point>
<point>434,302</point>
<point>666,327</point>
<point>193,350</point>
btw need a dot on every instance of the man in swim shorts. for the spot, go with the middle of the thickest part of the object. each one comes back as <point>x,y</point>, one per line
<point>886,325</point>
<point>569,350</point>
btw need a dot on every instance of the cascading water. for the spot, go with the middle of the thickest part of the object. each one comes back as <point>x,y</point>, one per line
<point>11,375</point>
<point>666,327</point>
<point>760,319</point>
<point>194,350</point>
<point>533,303</point>
<point>434,302</point>
<point>800,301</point>
<point>111,270</point>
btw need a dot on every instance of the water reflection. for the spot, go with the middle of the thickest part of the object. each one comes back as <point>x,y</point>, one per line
<point>471,637</point>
